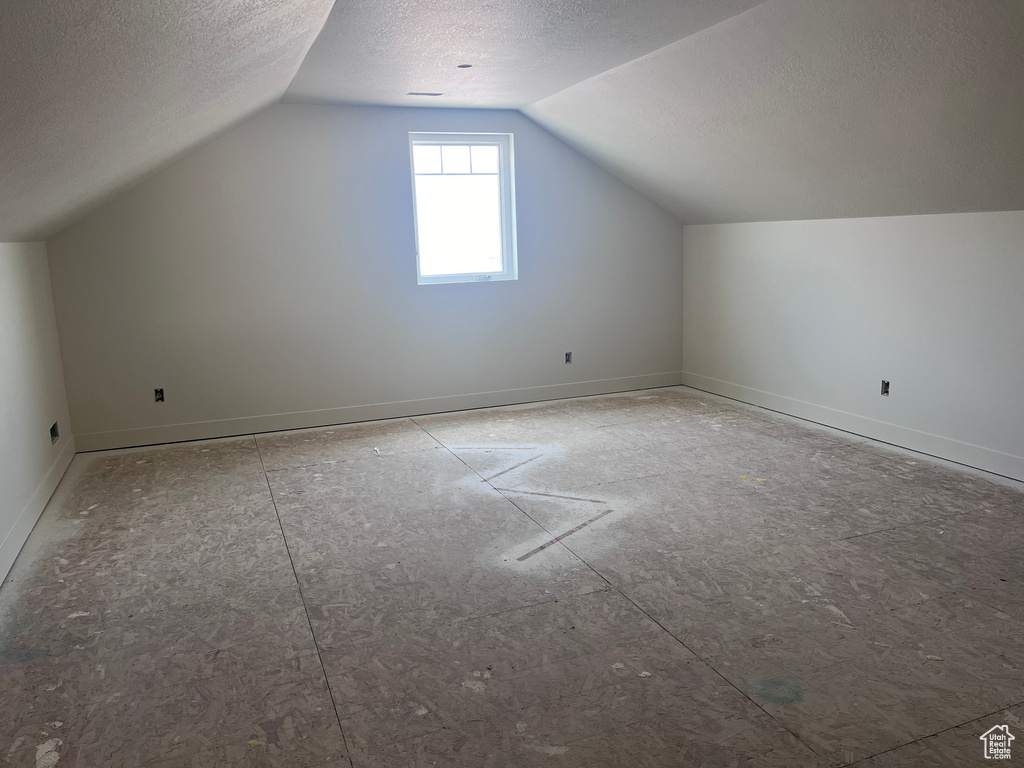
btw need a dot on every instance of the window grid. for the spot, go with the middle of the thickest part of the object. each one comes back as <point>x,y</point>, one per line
<point>464,155</point>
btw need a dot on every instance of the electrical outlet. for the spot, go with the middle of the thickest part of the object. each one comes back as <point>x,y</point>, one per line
<point>885,388</point>
<point>54,433</point>
<point>158,395</point>
<point>568,358</point>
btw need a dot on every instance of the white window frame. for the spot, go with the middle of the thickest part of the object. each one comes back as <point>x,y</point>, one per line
<point>507,195</point>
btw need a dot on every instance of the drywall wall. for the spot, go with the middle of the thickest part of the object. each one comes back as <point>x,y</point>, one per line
<point>31,396</point>
<point>268,281</point>
<point>808,317</point>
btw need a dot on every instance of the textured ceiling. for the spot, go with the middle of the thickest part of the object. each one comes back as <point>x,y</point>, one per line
<point>817,109</point>
<point>95,93</point>
<point>521,50</point>
<point>720,110</point>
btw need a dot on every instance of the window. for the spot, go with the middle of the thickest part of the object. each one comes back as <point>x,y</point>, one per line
<point>464,206</point>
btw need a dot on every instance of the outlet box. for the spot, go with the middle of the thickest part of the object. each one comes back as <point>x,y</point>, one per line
<point>885,388</point>
<point>54,433</point>
<point>568,358</point>
<point>158,395</point>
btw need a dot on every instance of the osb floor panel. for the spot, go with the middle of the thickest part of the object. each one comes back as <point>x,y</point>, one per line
<point>658,578</point>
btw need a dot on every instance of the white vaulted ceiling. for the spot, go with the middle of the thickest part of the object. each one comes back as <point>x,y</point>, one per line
<point>721,110</point>
<point>96,93</point>
<point>804,109</point>
<point>520,50</point>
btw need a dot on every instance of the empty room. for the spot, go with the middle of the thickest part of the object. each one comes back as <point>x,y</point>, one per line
<point>570,383</point>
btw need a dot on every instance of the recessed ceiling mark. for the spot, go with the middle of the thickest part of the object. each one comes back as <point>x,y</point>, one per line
<point>465,66</point>
<point>423,93</point>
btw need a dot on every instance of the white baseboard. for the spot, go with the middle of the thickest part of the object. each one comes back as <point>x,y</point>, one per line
<point>30,513</point>
<point>976,456</point>
<point>173,433</point>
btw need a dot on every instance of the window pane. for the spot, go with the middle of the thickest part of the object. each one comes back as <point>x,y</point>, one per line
<point>426,158</point>
<point>458,222</point>
<point>485,159</point>
<point>464,214</point>
<point>455,158</point>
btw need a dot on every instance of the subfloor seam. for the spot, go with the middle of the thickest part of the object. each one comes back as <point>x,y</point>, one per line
<point>629,599</point>
<point>937,733</point>
<point>305,608</point>
<point>696,655</point>
<point>905,525</point>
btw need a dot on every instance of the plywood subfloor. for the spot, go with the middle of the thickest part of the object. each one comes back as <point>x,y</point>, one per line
<point>659,578</point>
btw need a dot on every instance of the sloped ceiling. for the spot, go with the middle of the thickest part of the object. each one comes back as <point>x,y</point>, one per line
<point>520,50</point>
<point>720,110</point>
<point>96,93</point>
<point>801,109</point>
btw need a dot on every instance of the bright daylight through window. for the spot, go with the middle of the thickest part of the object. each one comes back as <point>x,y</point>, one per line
<point>464,198</point>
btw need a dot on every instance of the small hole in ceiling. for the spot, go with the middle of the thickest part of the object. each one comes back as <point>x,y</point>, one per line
<point>423,93</point>
<point>465,66</point>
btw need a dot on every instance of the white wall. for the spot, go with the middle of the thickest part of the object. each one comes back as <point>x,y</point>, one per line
<point>268,281</point>
<point>31,396</point>
<point>808,317</point>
